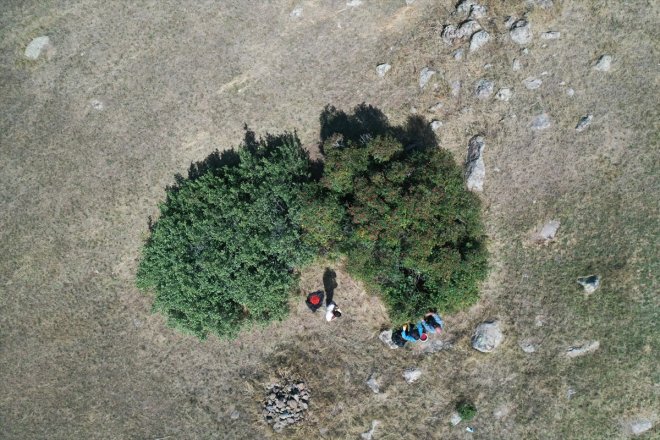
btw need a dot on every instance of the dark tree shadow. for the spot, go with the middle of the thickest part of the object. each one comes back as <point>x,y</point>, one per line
<point>367,122</point>
<point>329,284</point>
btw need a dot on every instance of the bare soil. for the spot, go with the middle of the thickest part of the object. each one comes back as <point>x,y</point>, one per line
<point>81,356</point>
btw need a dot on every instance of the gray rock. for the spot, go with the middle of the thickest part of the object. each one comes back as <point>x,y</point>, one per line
<point>353,3</point>
<point>487,337</point>
<point>604,63</point>
<point>372,383</point>
<point>545,4</point>
<point>434,346</point>
<point>37,47</point>
<point>455,418</point>
<point>547,232</point>
<point>638,427</point>
<point>425,76</point>
<point>532,83</point>
<point>234,415</point>
<point>527,346</point>
<point>516,65</point>
<point>97,104</point>
<point>382,69</point>
<point>464,7</point>
<point>455,88</point>
<point>435,125</point>
<point>369,434</point>
<point>386,337</point>
<point>475,169</point>
<point>458,54</point>
<point>504,94</point>
<point>484,88</point>
<point>590,283</point>
<point>582,349</point>
<point>521,32</point>
<point>412,374</point>
<point>297,12</point>
<point>478,11</point>
<point>437,107</point>
<point>478,40</point>
<point>410,2</point>
<point>449,34</point>
<point>467,28</point>
<point>584,122</point>
<point>541,122</point>
<point>570,92</point>
<point>550,35</point>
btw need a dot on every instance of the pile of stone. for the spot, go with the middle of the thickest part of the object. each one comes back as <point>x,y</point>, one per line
<point>285,404</point>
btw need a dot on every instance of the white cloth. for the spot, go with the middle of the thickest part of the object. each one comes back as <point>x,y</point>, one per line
<point>328,312</point>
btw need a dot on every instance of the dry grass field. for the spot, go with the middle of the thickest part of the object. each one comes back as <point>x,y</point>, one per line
<point>131,92</point>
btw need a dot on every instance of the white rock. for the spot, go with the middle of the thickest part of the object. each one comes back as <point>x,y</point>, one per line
<point>516,65</point>
<point>532,83</point>
<point>504,94</point>
<point>455,418</point>
<point>584,122</point>
<point>386,337</point>
<point>478,11</point>
<point>478,40</point>
<point>458,54</point>
<point>547,232</point>
<point>520,32</point>
<point>436,125</point>
<point>353,3</point>
<point>455,88</point>
<point>382,69</point>
<point>541,122</point>
<point>436,107</point>
<point>527,346</point>
<point>425,76</point>
<point>410,2</point>
<point>604,63</point>
<point>484,88</point>
<point>582,349</point>
<point>638,427</point>
<point>589,283</point>
<point>372,383</point>
<point>97,104</point>
<point>550,35</point>
<point>369,434</point>
<point>37,47</point>
<point>412,374</point>
<point>487,337</point>
<point>468,28</point>
<point>297,12</point>
<point>508,21</point>
<point>570,92</point>
<point>475,168</point>
<point>465,6</point>
<point>449,34</point>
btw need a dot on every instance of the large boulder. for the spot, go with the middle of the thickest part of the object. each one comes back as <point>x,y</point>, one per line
<point>475,171</point>
<point>487,337</point>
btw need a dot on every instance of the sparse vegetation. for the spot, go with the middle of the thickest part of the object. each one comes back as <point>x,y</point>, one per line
<point>466,410</point>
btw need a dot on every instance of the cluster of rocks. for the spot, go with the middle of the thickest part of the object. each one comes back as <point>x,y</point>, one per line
<point>453,33</point>
<point>285,405</point>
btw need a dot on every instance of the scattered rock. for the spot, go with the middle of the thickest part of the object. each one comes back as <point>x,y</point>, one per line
<point>541,122</point>
<point>455,419</point>
<point>640,426</point>
<point>412,374</point>
<point>545,4</point>
<point>570,92</point>
<point>372,383</point>
<point>475,169</point>
<point>369,434</point>
<point>516,65</point>
<point>487,337</point>
<point>570,392</point>
<point>465,6</point>
<point>437,107</point>
<point>96,104</point>
<point>582,349</point>
<point>532,83</point>
<point>37,47</point>
<point>410,2</point>
<point>521,32</point>
<point>478,11</point>
<point>504,94</point>
<point>584,122</point>
<point>435,125</point>
<point>382,69</point>
<point>386,337</point>
<point>425,76</point>
<point>550,35</point>
<point>449,34</point>
<point>434,346</point>
<point>468,28</point>
<point>527,346</point>
<point>604,63</point>
<point>284,405</point>
<point>590,283</point>
<point>455,88</point>
<point>547,232</point>
<point>484,88</point>
<point>234,415</point>
<point>478,40</point>
<point>353,3</point>
<point>458,54</point>
<point>297,12</point>
<point>539,320</point>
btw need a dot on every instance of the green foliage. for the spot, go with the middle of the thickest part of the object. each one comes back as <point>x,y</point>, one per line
<point>466,410</point>
<point>414,231</point>
<point>223,252</point>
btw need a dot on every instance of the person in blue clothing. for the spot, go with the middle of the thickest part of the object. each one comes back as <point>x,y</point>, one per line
<point>433,323</point>
<point>414,333</point>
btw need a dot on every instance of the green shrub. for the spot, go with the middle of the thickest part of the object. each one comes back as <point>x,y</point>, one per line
<point>466,410</point>
<point>224,250</point>
<point>413,232</point>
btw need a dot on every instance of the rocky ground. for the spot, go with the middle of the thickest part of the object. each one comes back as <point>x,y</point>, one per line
<point>551,105</point>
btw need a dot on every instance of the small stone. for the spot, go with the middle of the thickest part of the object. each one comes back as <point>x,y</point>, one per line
<point>508,21</point>
<point>545,4</point>
<point>638,427</point>
<point>234,415</point>
<point>386,337</point>
<point>437,107</point>
<point>516,65</point>
<point>521,32</point>
<point>293,404</point>
<point>478,40</point>
<point>455,88</point>
<point>570,92</point>
<point>435,125</point>
<point>590,283</point>
<point>604,63</point>
<point>412,374</point>
<point>455,419</point>
<point>539,320</point>
<point>410,2</point>
<point>582,349</point>
<point>449,34</point>
<point>297,12</point>
<point>484,88</point>
<point>532,83</point>
<point>550,35</point>
<point>467,28</point>
<point>475,169</point>
<point>435,346</point>
<point>478,11</point>
<point>96,104</point>
<point>547,232</point>
<point>425,76</point>
<point>570,393</point>
<point>541,122</point>
<point>487,337</point>
<point>458,54</point>
<point>353,3</point>
<point>382,69</point>
<point>37,47</point>
<point>464,7</point>
<point>584,122</point>
<point>527,346</point>
<point>369,434</point>
<point>303,405</point>
<point>504,94</point>
<point>372,383</point>
<point>280,404</point>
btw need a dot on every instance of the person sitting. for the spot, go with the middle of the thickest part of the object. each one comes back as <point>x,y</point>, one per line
<point>414,333</point>
<point>332,312</point>
<point>433,323</point>
<point>397,338</point>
